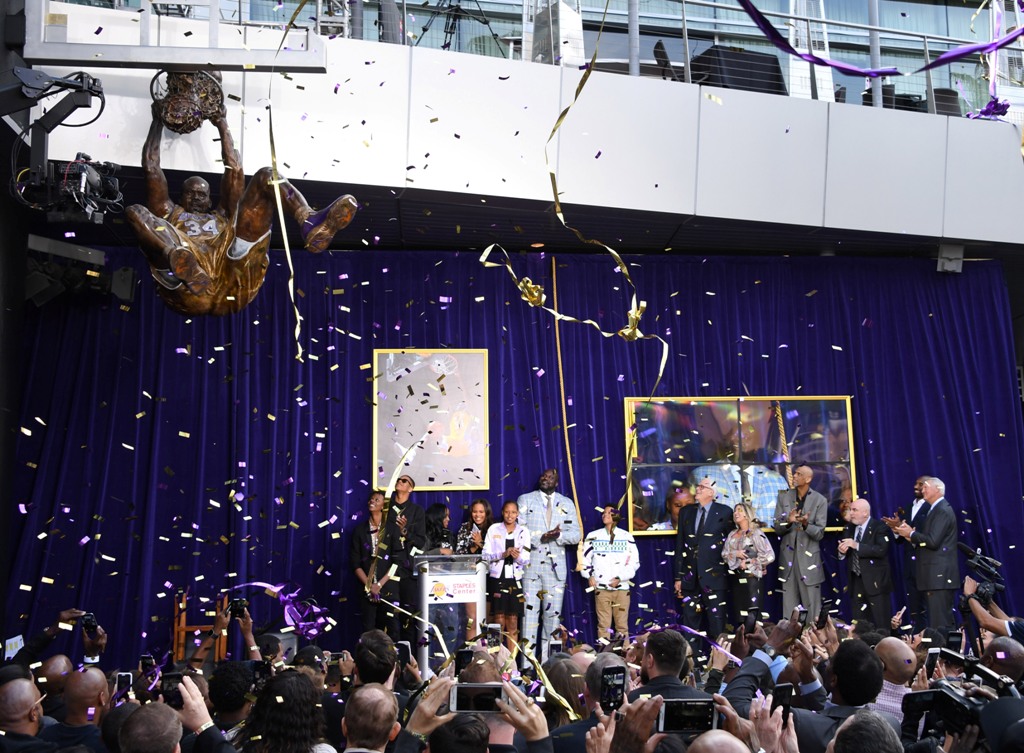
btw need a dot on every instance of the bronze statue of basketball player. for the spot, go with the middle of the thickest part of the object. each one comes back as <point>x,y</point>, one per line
<point>212,260</point>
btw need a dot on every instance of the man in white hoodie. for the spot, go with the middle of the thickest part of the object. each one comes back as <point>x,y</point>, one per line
<point>610,560</point>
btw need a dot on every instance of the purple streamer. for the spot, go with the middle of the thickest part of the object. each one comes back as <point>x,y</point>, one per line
<point>306,617</point>
<point>783,44</point>
<point>993,110</point>
<point>959,53</point>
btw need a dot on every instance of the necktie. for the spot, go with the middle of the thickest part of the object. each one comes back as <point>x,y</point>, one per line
<point>550,500</point>
<point>701,514</point>
<point>856,552</point>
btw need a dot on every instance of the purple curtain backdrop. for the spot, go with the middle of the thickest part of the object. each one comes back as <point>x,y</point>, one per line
<point>160,452</point>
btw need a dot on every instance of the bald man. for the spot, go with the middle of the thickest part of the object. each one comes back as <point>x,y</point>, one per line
<point>85,696</point>
<point>371,718</point>
<point>899,664</point>
<point>21,717</point>
<point>1004,656</point>
<point>717,741</point>
<point>52,675</point>
<point>865,547</point>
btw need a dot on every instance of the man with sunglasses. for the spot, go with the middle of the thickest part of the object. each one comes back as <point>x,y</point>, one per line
<point>407,537</point>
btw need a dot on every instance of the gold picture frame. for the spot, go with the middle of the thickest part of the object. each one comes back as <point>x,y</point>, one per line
<point>748,446</point>
<point>430,418</point>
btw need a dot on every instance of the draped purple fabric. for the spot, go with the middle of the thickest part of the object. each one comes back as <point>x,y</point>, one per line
<point>160,452</point>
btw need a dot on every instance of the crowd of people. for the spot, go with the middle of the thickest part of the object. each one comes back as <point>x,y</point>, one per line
<point>785,687</point>
<point>728,678</point>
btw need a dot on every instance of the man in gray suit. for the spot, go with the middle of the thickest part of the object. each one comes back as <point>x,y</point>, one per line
<point>937,567</point>
<point>800,518</point>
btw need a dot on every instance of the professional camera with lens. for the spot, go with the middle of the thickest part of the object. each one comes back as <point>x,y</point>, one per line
<point>986,572</point>
<point>947,706</point>
<point>951,710</point>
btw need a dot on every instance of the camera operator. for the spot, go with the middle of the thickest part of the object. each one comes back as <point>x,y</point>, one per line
<point>988,614</point>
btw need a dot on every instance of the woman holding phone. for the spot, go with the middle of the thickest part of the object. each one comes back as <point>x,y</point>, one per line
<point>506,549</point>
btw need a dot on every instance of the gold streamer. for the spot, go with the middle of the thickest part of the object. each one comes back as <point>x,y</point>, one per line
<point>510,665</point>
<point>783,444</point>
<point>429,624</point>
<point>630,332</point>
<point>277,186</point>
<point>287,246</point>
<point>534,294</point>
<point>565,416</point>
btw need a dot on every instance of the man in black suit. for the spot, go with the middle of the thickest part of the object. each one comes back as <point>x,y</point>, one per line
<point>866,551</point>
<point>701,576</point>
<point>916,615</point>
<point>664,657</point>
<point>936,564</point>
<point>406,532</point>
<point>857,680</point>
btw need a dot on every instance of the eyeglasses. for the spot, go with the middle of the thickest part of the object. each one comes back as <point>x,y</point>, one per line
<point>405,480</point>
<point>706,486</point>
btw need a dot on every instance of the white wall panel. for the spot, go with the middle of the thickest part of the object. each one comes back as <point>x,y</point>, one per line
<point>645,130</point>
<point>984,184</point>
<point>762,157</point>
<point>886,170</point>
<point>482,121</point>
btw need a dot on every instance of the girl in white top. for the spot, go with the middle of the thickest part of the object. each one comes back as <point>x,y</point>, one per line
<point>506,549</point>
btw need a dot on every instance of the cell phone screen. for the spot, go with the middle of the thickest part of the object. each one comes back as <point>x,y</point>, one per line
<point>688,716</point>
<point>494,635</point>
<point>262,671</point>
<point>554,647</point>
<point>462,660</point>
<point>475,698</point>
<point>782,696</point>
<point>122,687</point>
<point>955,640</point>
<point>802,617</point>
<point>613,688</point>
<point>170,689</point>
<point>822,620</point>
<point>146,662</point>
<point>931,661</point>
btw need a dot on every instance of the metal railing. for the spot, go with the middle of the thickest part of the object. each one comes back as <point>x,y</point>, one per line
<point>495,28</point>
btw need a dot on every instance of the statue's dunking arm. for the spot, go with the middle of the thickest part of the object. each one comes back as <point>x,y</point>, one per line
<point>158,198</point>
<point>233,183</point>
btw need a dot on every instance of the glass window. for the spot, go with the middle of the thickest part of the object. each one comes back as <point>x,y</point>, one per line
<point>747,448</point>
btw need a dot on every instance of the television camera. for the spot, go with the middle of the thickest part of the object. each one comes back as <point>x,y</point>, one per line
<point>986,570</point>
<point>78,191</point>
<point>950,705</point>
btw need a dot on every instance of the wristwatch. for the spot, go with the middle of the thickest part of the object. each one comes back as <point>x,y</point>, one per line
<point>771,651</point>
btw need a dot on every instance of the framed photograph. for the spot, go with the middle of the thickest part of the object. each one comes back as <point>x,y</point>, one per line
<point>430,418</point>
<point>748,447</point>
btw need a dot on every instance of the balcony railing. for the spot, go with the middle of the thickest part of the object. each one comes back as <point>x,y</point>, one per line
<point>696,41</point>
